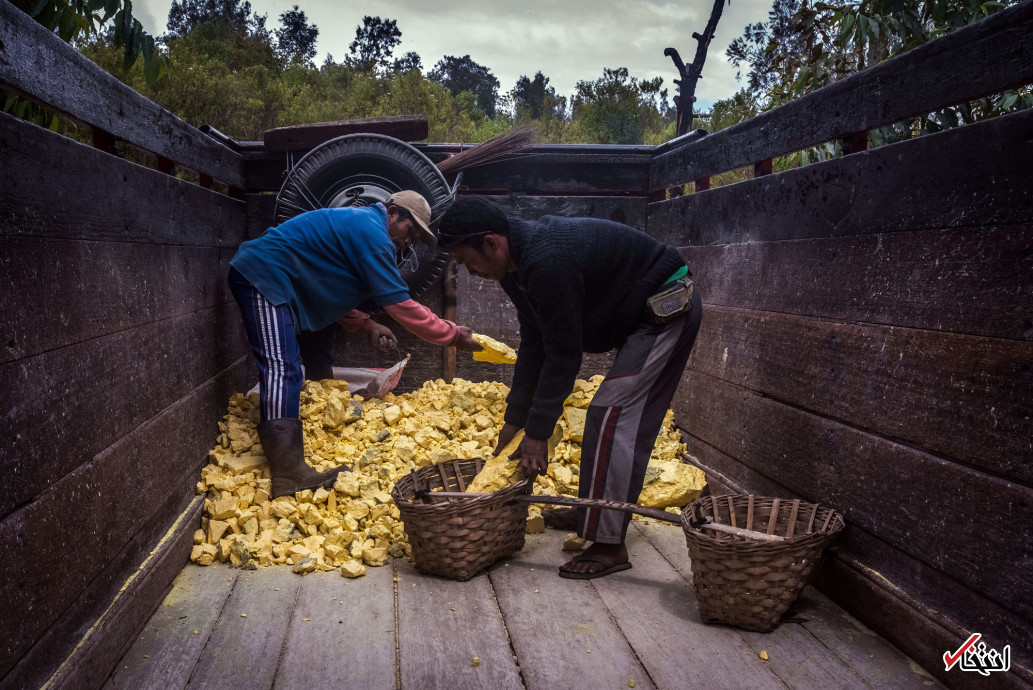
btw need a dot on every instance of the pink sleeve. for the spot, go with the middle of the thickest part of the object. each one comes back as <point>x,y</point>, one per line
<point>355,321</point>
<point>422,322</point>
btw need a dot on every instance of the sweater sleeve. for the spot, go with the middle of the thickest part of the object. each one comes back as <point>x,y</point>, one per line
<point>528,367</point>
<point>560,293</point>
<point>422,322</point>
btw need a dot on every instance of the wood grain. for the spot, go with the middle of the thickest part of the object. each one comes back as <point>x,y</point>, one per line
<point>71,403</point>
<point>91,289</point>
<point>45,196</point>
<point>35,62</point>
<point>953,518</point>
<point>962,397</point>
<point>242,652</point>
<point>437,645</point>
<point>974,281</point>
<point>165,652</point>
<point>342,633</point>
<point>912,185</point>
<point>556,655</point>
<point>978,60</point>
<point>75,528</point>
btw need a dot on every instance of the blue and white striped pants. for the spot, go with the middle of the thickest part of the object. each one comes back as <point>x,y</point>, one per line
<point>272,334</point>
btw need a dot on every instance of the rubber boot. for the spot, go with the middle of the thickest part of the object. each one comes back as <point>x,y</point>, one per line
<point>285,451</point>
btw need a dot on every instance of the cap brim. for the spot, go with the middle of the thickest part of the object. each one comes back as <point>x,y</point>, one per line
<point>426,235</point>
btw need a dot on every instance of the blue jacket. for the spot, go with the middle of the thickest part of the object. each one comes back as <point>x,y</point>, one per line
<point>324,263</point>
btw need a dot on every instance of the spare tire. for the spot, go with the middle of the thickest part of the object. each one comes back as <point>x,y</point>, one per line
<point>360,169</point>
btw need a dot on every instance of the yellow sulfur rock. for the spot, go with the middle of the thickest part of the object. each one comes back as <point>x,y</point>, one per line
<point>353,569</point>
<point>676,485</point>
<point>575,419</point>
<point>381,441</point>
<point>494,351</point>
<point>535,524</point>
<point>573,543</point>
<point>499,471</point>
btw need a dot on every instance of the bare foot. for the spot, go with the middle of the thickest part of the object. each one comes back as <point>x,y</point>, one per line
<point>598,560</point>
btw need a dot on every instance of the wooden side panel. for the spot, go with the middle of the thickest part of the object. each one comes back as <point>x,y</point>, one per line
<point>974,281</point>
<point>69,534</point>
<point>961,397</point>
<point>71,403</point>
<point>980,59</point>
<point>56,187</point>
<point>967,177</point>
<point>88,289</point>
<point>954,518</point>
<point>545,169</point>
<point>866,344</point>
<point>35,62</point>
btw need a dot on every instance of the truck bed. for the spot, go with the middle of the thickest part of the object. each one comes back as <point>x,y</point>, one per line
<point>528,628</point>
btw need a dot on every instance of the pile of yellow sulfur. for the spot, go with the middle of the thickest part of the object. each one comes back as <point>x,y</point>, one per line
<point>355,523</point>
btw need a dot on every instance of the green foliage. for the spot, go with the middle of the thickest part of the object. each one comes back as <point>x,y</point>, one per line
<point>232,73</point>
<point>617,108</point>
<point>296,40</point>
<point>81,20</point>
<point>731,111</point>
<point>374,43</point>
<point>462,74</point>
<point>807,44</point>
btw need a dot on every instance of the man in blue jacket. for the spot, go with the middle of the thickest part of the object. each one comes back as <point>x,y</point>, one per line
<point>585,285</point>
<point>304,275</point>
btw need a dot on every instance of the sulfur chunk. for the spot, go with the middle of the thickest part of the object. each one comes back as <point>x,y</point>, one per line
<point>494,351</point>
<point>535,524</point>
<point>677,484</point>
<point>575,419</point>
<point>573,543</point>
<point>352,569</point>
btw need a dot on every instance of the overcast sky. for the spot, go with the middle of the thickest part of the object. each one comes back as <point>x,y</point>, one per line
<point>567,40</point>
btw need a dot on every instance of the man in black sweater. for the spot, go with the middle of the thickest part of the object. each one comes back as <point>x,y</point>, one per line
<point>583,285</point>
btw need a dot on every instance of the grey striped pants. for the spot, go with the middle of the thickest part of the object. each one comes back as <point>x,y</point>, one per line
<point>625,417</point>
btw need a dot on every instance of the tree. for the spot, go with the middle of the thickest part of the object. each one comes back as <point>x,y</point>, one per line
<point>409,61</point>
<point>186,15</point>
<point>806,45</point>
<point>618,108</point>
<point>463,74</point>
<point>374,43</point>
<point>296,41</point>
<point>766,44</point>
<point>80,20</point>
<point>731,111</point>
<point>532,94</point>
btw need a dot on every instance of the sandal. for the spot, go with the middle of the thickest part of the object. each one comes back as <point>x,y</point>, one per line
<point>591,575</point>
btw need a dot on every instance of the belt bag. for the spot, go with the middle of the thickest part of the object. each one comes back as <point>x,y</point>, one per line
<point>673,301</point>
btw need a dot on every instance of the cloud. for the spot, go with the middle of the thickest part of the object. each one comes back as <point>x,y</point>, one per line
<point>567,40</point>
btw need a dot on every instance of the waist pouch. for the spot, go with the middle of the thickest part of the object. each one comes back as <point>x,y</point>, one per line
<point>671,302</point>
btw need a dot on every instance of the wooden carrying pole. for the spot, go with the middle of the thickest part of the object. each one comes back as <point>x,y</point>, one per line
<point>644,511</point>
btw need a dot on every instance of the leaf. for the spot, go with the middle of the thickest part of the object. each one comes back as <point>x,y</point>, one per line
<point>38,8</point>
<point>1008,101</point>
<point>844,32</point>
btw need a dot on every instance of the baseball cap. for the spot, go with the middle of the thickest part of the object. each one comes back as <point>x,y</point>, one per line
<point>419,209</point>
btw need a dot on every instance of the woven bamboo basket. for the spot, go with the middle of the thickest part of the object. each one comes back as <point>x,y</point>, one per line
<point>749,583</point>
<point>458,538</point>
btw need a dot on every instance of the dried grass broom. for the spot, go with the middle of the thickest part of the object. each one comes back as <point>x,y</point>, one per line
<point>495,149</point>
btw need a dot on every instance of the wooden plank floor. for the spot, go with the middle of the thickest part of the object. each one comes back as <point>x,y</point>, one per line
<point>396,628</point>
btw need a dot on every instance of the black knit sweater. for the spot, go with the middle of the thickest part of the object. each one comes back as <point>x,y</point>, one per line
<point>580,286</point>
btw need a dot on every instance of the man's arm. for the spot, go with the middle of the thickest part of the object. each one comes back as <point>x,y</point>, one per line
<point>380,336</point>
<point>423,323</point>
